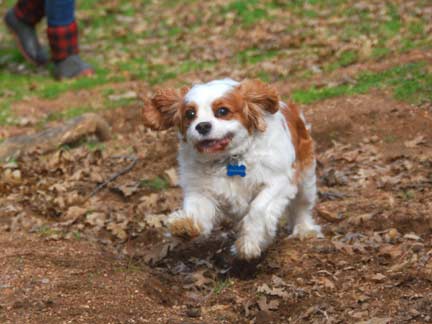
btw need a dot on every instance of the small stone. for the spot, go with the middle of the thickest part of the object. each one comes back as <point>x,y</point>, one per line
<point>393,234</point>
<point>12,176</point>
<point>16,174</point>
<point>193,312</point>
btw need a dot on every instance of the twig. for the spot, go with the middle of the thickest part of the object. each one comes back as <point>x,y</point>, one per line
<point>134,160</point>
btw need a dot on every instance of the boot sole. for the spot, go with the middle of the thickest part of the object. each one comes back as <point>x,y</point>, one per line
<point>82,74</point>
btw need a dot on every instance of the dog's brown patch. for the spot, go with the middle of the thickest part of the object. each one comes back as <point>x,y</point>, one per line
<point>185,227</point>
<point>164,110</point>
<point>301,138</point>
<point>248,102</point>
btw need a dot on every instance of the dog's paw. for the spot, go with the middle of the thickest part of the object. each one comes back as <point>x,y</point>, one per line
<point>183,226</point>
<point>246,249</point>
<point>307,231</point>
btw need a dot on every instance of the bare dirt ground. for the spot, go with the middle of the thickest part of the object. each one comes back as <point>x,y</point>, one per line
<point>68,257</point>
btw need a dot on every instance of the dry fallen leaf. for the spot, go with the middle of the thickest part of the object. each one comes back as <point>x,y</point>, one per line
<point>414,142</point>
<point>376,320</point>
<point>327,283</point>
<point>343,247</point>
<point>330,216</point>
<point>198,280</point>
<point>378,277</point>
<point>393,251</point>
<point>278,282</point>
<point>360,219</point>
<point>127,95</point>
<point>267,306</point>
<point>75,212</point>
<point>279,292</point>
<point>160,251</point>
<point>117,230</point>
<point>155,220</point>
<point>172,176</point>
<point>128,189</point>
<point>412,236</point>
<point>96,219</point>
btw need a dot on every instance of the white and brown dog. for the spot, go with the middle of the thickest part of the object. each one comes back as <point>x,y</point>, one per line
<point>243,154</point>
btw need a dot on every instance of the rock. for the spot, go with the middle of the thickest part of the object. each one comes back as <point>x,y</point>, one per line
<point>393,234</point>
<point>50,139</point>
<point>193,312</point>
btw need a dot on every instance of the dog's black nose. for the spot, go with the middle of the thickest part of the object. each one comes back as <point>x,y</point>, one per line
<point>203,128</point>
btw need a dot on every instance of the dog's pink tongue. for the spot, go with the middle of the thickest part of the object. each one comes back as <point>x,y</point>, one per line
<point>214,145</point>
<point>220,144</point>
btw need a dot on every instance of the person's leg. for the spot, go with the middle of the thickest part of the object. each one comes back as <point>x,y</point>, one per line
<point>21,21</point>
<point>62,34</point>
<point>30,11</point>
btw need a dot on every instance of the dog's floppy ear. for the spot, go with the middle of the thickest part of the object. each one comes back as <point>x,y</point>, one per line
<point>259,98</point>
<point>163,110</point>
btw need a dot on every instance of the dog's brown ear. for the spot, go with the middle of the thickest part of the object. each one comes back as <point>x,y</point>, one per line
<point>259,98</point>
<point>162,111</point>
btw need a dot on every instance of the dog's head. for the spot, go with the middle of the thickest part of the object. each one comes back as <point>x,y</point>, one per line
<point>214,117</point>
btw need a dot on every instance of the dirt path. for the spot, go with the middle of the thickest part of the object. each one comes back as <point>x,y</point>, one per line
<point>64,260</point>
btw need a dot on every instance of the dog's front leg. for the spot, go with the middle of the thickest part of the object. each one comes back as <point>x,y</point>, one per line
<point>260,224</point>
<point>196,218</point>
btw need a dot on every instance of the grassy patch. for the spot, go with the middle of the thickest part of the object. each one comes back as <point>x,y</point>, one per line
<point>69,113</point>
<point>255,55</point>
<point>221,285</point>
<point>410,82</point>
<point>5,114</point>
<point>126,41</point>
<point>346,58</point>
<point>247,12</point>
<point>47,231</point>
<point>156,184</point>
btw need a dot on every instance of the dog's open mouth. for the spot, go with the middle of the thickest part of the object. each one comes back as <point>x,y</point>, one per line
<point>214,145</point>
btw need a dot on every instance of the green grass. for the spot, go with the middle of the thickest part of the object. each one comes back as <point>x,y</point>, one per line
<point>252,56</point>
<point>176,42</point>
<point>69,113</point>
<point>156,184</point>
<point>248,12</point>
<point>47,231</point>
<point>221,285</point>
<point>410,82</point>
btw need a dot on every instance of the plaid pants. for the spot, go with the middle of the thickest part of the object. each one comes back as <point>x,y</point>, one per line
<point>62,29</point>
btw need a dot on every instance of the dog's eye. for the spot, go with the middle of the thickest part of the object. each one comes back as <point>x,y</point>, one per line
<point>222,111</point>
<point>190,114</point>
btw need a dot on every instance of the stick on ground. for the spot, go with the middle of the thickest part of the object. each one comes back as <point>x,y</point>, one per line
<point>101,186</point>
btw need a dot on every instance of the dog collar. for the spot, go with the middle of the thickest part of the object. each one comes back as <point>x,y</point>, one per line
<point>234,168</point>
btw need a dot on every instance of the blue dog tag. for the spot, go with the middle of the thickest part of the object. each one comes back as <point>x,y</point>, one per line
<point>236,170</point>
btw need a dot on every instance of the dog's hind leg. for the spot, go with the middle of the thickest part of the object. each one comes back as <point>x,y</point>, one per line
<point>300,220</point>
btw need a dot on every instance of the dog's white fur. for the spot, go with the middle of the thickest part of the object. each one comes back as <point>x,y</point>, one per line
<point>270,190</point>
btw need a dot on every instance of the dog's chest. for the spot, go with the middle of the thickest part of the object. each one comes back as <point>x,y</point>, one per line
<point>234,194</point>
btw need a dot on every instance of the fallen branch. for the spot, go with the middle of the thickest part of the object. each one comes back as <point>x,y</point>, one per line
<point>50,139</point>
<point>101,186</point>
